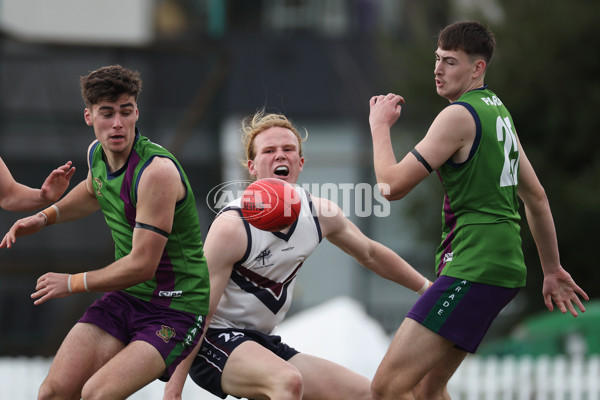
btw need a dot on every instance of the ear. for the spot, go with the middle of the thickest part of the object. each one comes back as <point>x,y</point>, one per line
<point>301,164</point>
<point>87,116</point>
<point>252,168</point>
<point>480,67</point>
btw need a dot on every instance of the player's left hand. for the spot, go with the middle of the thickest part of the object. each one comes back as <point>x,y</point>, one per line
<point>50,286</point>
<point>57,182</point>
<point>562,289</point>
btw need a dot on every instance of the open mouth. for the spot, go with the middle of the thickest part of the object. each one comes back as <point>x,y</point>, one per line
<point>282,171</point>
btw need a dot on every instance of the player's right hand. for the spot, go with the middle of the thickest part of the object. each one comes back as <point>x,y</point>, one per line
<point>385,110</point>
<point>23,227</point>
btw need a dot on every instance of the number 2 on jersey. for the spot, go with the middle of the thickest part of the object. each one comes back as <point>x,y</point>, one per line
<point>505,133</point>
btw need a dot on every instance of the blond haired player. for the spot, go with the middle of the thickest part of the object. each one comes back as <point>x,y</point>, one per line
<point>255,275</point>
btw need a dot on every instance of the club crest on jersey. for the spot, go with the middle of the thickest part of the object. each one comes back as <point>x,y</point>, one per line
<point>165,333</point>
<point>98,183</point>
<point>264,256</point>
<point>448,257</point>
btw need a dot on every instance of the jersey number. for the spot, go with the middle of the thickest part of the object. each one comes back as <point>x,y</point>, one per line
<point>509,170</point>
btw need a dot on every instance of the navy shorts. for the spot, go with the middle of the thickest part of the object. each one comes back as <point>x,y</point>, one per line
<point>218,345</point>
<point>460,310</point>
<point>172,332</point>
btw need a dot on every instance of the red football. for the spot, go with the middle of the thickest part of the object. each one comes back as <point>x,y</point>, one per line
<point>270,204</point>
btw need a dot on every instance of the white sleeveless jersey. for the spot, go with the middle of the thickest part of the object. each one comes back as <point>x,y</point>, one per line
<point>259,292</point>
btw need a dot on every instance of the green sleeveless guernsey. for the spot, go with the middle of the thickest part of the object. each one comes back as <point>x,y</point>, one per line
<point>181,279</point>
<point>481,239</point>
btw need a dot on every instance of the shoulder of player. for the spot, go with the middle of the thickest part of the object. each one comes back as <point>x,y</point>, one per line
<point>331,217</point>
<point>92,145</point>
<point>453,123</point>
<point>90,148</point>
<point>454,113</point>
<point>228,225</point>
<point>161,169</point>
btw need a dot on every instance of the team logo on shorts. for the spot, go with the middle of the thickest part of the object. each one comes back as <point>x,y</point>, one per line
<point>165,333</point>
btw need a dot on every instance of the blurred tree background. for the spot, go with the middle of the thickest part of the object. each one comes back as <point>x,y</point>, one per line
<point>546,71</point>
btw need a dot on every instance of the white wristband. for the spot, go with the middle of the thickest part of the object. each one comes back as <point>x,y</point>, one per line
<point>45,218</point>
<point>85,282</point>
<point>57,211</point>
<point>424,288</point>
<point>69,285</point>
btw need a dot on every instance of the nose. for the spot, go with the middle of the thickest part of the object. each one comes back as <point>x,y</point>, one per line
<point>280,155</point>
<point>117,121</point>
<point>437,70</point>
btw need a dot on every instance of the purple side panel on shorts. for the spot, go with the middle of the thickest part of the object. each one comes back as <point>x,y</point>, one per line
<point>128,319</point>
<point>450,220</point>
<point>425,303</point>
<point>471,318</point>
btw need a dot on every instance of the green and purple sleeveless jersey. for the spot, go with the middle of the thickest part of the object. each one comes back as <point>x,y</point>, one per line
<point>181,279</point>
<point>481,239</point>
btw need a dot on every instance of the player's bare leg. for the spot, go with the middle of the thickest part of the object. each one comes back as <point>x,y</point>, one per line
<point>83,351</point>
<point>414,351</point>
<point>434,385</point>
<point>324,379</point>
<point>131,369</point>
<point>255,372</point>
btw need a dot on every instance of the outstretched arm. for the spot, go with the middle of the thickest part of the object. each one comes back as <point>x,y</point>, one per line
<point>78,203</point>
<point>380,259</point>
<point>159,189</point>
<point>558,284</point>
<point>15,196</point>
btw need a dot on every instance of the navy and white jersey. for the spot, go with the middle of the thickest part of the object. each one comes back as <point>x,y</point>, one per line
<point>259,292</point>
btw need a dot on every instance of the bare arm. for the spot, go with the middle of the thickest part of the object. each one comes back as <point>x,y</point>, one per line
<point>159,189</point>
<point>15,196</point>
<point>220,256</point>
<point>380,259</point>
<point>450,136</point>
<point>558,284</point>
<point>78,203</point>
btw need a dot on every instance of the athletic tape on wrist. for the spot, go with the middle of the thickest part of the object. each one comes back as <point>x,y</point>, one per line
<point>78,283</point>
<point>51,213</point>
<point>425,287</point>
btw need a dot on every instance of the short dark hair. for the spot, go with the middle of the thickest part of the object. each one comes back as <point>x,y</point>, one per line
<point>469,36</point>
<point>110,83</point>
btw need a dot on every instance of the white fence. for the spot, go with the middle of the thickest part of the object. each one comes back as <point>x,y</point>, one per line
<point>478,378</point>
<point>527,378</point>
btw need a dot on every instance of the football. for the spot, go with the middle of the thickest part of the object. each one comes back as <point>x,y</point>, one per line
<point>270,204</point>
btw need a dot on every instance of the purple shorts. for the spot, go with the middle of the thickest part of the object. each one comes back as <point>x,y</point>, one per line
<point>218,344</point>
<point>460,310</point>
<point>172,332</point>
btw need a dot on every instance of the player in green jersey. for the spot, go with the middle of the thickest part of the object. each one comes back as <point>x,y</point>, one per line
<point>157,290</point>
<point>473,146</point>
